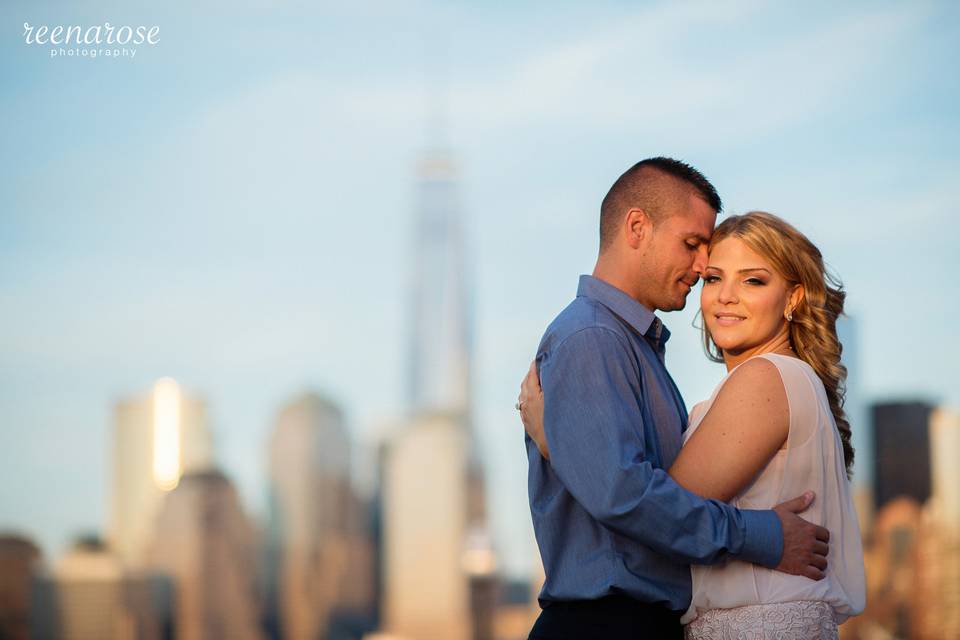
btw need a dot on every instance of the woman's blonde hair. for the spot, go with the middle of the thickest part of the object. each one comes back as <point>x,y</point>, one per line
<point>813,329</point>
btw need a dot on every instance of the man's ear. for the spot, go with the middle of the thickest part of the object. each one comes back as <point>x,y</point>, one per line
<point>637,226</point>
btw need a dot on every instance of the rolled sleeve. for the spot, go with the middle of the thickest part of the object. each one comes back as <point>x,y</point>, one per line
<point>763,538</point>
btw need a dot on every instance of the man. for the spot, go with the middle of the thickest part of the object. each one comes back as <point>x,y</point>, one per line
<point>616,533</point>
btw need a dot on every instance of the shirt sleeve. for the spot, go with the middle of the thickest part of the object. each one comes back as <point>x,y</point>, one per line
<point>594,427</point>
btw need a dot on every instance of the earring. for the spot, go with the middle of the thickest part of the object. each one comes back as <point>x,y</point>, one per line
<point>790,316</point>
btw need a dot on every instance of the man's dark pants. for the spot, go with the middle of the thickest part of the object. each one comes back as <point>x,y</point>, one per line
<point>609,618</point>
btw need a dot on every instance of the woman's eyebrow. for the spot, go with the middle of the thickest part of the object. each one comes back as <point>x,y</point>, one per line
<point>710,266</point>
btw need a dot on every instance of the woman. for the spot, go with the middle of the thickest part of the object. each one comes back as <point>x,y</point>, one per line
<point>770,312</point>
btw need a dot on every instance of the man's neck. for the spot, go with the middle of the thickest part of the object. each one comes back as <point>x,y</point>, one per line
<point>611,271</point>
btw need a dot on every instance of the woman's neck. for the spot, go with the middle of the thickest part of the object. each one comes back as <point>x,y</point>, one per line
<point>779,344</point>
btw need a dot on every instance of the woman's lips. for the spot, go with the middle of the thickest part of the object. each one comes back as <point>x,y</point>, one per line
<point>728,320</point>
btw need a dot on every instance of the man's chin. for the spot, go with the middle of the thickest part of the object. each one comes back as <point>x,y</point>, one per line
<point>674,305</point>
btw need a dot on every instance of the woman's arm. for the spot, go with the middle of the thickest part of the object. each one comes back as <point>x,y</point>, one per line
<point>741,433</point>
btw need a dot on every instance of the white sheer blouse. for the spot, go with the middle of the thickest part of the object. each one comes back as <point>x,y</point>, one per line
<point>812,459</point>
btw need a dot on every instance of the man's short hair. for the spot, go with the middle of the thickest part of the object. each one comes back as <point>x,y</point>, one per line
<point>654,185</point>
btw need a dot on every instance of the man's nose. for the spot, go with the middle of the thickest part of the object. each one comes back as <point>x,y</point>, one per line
<point>700,262</point>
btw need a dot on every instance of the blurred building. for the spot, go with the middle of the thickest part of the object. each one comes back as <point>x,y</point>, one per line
<point>19,562</point>
<point>440,341</point>
<point>96,600</point>
<point>902,451</point>
<point>516,610</point>
<point>426,589</point>
<point>945,466</point>
<point>936,602</point>
<point>913,559</point>
<point>861,433</point>
<point>204,541</point>
<point>437,562</point>
<point>891,571</point>
<point>320,554</point>
<point>157,439</point>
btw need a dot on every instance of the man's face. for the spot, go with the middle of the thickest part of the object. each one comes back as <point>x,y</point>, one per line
<point>676,254</point>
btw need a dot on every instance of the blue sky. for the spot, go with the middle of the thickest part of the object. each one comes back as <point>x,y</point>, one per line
<point>233,206</point>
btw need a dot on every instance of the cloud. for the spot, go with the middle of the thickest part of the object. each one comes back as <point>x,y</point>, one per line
<point>666,71</point>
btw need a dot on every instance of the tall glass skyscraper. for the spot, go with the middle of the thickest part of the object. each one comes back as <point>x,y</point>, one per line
<point>157,438</point>
<point>320,560</point>
<point>440,341</point>
<point>435,550</point>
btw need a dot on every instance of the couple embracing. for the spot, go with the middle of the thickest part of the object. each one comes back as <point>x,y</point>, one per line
<point>737,520</point>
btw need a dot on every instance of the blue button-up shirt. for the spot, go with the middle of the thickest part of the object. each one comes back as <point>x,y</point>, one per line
<point>607,517</point>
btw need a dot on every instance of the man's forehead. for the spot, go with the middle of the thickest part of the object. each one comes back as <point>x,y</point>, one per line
<point>696,218</point>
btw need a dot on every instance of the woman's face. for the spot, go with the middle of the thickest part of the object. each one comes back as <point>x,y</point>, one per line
<point>744,300</point>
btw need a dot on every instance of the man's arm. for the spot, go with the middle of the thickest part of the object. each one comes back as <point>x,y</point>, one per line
<point>594,428</point>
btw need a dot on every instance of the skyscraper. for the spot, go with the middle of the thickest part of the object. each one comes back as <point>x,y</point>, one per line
<point>945,467</point>
<point>157,438</point>
<point>205,542</point>
<point>320,553</point>
<point>440,344</point>
<point>427,592</point>
<point>433,496</point>
<point>937,594</point>
<point>902,451</point>
<point>90,594</point>
<point>862,435</point>
<point>19,560</point>
<point>96,598</point>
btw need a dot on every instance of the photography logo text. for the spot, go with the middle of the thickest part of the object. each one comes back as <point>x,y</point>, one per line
<point>96,41</point>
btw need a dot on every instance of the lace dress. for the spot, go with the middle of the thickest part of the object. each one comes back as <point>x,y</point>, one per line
<point>798,620</point>
<point>742,601</point>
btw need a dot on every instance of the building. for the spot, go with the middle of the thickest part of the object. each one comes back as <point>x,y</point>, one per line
<point>861,433</point>
<point>426,589</point>
<point>945,466</point>
<point>205,542</point>
<point>891,573</point>
<point>19,563</point>
<point>157,438</point>
<point>936,602</point>
<point>913,559</point>
<point>901,451</point>
<point>96,599</point>
<point>438,566</point>
<point>320,554</point>
<point>440,341</point>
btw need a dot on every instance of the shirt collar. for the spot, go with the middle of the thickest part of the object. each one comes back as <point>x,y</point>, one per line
<point>643,321</point>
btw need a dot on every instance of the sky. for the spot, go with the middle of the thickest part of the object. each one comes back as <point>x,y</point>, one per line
<point>233,206</point>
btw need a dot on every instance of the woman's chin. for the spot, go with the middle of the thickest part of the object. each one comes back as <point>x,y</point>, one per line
<point>731,346</point>
<point>724,338</point>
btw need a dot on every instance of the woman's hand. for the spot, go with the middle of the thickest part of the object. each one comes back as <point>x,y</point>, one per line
<point>531,409</point>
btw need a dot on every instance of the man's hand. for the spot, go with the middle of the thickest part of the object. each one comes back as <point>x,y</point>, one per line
<point>805,545</point>
<point>530,404</point>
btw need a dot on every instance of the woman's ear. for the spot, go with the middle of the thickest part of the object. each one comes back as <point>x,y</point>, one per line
<point>796,296</point>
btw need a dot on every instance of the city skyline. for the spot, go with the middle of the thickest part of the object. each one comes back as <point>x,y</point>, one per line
<point>237,211</point>
<point>204,547</point>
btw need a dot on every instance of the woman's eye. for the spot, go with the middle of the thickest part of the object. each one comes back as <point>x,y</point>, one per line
<point>757,281</point>
<point>710,279</point>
